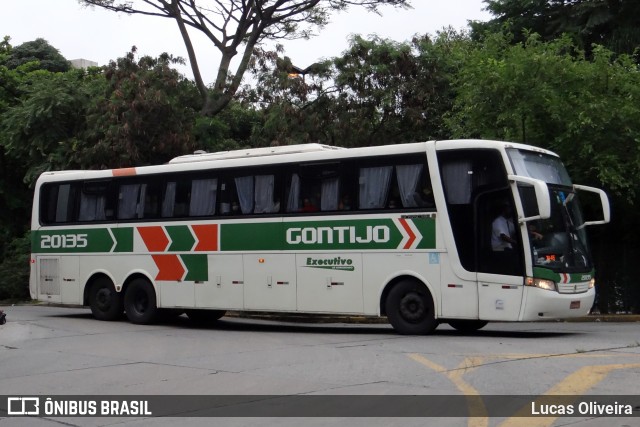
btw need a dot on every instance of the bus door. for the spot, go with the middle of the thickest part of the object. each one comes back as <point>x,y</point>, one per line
<point>475,186</point>
<point>499,263</point>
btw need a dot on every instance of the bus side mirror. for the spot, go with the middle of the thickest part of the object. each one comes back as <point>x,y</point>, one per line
<point>604,201</point>
<point>542,197</point>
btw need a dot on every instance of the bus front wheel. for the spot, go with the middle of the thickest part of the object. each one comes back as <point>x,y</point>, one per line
<point>410,309</point>
<point>105,302</point>
<point>140,302</point>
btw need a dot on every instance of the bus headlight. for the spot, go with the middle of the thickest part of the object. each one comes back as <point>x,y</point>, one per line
<point>548,285</point>
<point>592,283</point>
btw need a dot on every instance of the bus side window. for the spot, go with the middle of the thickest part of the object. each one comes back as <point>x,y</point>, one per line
<point>175,198</point>
<point>131,200</point>
<point>95,203</point>
<point>57,203</point>
<point>265,191</point>
<point>414,186</point>
<point>315,188</point>
<point>152,199</point>
<point>294,202</point>
<point>374,187</point>
<point>203,197</point>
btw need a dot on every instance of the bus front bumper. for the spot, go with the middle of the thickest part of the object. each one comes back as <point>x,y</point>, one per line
<point>541,304</point>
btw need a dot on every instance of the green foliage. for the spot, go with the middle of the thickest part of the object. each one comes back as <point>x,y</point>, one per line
<point>14,269</point>
<point>144,115</point>
<point>612,24</point>
<point>550,95</point>
<point>229,130</point>
<point>377,92</point>
<point>40,51</point>
<point>42,130</point>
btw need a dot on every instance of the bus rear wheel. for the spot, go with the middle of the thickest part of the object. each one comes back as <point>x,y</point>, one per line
<point>140,302</point>
<point>105,302</point>
<point>410,309</point>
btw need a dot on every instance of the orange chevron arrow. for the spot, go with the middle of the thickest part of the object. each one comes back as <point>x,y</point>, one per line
<point>407,228</point>
<point>154,238</point>
<point>207,235</point>
<point>169,267</point>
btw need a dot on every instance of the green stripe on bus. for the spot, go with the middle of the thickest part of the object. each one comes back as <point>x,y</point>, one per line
<point>197,267</point>
<point>427,227</point>
<point>365,234</point>
<point>181,238</point>
<point>548,274</point>
<point>87,240</point>
<point>251,237</point>
<point>124,239</point>
<point>90,240</point>
<point>356,234</point>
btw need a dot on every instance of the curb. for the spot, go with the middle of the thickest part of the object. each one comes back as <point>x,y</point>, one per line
<point>353,319</point>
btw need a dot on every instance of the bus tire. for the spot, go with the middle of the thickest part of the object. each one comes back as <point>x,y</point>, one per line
<point>205,316</point>
<point>410,309</point>
<point>467,325</point>
<point>140,302</point>
<point>105,302</point>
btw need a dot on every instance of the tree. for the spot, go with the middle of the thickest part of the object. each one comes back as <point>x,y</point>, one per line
<point>44,131</point>
<point>236,26</point>
<point>614,24</point>
<point>48,57</point>
<point>144,115</point>
<point>378,92</point>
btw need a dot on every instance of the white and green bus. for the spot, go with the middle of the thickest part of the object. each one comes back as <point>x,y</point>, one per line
<point>402,231</point>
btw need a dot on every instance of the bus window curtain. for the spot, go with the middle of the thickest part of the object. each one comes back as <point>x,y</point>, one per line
<point>374,186</point>
<point>329,195</point>
<point>244,185</point>
<point>169,201</point>
<point>264,194</point>
<point>293,201</point>
<point>92,207</point>
<point>408,176</point>
<point>203,197</point>
<point>62,205</point>
<point>128,201</point>
<point>457,179</point>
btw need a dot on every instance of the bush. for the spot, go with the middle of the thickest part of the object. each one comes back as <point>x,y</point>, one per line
<point>14,270</point>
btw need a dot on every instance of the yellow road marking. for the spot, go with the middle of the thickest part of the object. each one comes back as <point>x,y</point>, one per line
<point>478,416</point>
<point>575,384</point>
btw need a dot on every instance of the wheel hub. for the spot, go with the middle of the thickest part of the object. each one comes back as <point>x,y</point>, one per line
<point>412,307</point>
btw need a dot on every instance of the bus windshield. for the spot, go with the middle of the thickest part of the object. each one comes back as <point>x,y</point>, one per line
<point>559,242</point>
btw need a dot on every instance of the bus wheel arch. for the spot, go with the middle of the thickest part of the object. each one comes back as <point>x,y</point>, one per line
<point>101,296</point>
<point>409,305</point>
<point>140,299</point>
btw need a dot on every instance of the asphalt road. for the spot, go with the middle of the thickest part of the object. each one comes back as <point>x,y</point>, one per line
<point>52,351</point>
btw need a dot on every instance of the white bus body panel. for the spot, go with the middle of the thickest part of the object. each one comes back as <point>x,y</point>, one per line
<point>269,281</point>
<point>327,289</point>
<point>225,287</point>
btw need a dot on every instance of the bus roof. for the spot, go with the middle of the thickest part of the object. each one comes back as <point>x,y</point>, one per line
<point>254,152</point>
<point>282,154</point>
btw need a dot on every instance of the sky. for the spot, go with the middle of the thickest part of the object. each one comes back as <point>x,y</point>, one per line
<point>99,35</point>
